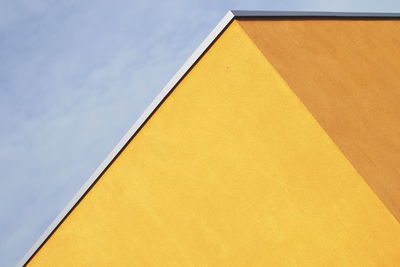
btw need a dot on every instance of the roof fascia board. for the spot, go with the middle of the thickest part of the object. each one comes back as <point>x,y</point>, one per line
<point>215,33</point>
<point>240,14</point>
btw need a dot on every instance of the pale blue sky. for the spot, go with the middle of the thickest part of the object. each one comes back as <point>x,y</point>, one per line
<point>75,75</point>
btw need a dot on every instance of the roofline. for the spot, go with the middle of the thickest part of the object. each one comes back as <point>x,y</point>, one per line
<point>129,135</point>
<point>242,14</point>
<point>197,54</point>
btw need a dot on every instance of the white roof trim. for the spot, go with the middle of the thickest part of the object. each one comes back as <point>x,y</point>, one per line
<point>230,15</point>
<point>129,135</point>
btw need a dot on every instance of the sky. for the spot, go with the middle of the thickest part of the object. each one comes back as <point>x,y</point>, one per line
<point>75,75</point>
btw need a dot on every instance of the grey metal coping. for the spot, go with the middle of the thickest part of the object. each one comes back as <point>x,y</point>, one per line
<point>312,14</point>
<point>215,33</point>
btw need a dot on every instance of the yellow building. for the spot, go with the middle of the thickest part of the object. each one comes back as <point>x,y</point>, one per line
<point>276,144</point>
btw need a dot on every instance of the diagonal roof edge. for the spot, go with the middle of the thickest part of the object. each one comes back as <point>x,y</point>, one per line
<point>191,61</point>
<point>129,135</point>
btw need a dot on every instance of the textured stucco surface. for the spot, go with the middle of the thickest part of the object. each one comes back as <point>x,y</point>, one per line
<point>231,170</point>
<point>347,73</point>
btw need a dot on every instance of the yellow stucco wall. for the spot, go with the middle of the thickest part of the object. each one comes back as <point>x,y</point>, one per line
<point>347,74</point>
<point>231,170</point>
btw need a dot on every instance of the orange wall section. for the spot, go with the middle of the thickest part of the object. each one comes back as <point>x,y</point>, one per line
<point>231,170</point>
<point>347,73</point>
